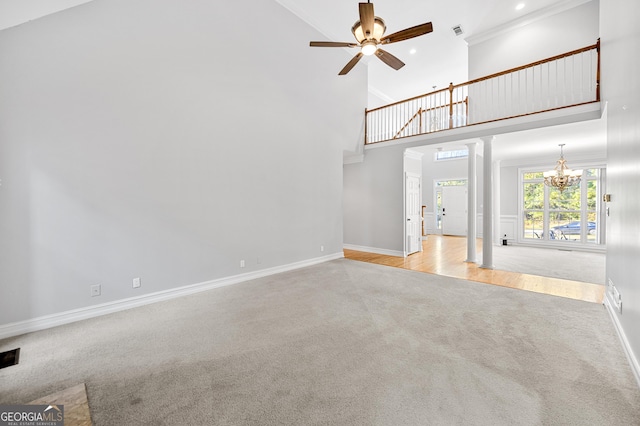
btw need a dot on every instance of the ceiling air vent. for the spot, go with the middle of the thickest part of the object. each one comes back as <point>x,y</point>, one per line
<point>457,29</point>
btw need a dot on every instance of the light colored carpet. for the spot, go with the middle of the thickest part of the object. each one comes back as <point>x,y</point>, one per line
<point>340,343</point>
<point>588,267</point>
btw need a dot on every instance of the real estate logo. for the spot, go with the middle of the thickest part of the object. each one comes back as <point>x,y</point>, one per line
<point>31,415</point>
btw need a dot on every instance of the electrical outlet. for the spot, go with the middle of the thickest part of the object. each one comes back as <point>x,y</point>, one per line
<point>321,248</point>
<point>95,290</point>
<point>615,296</point>
<point>242,263</point>
<point>136,282</point>
<point>617,299</point>
<point>258,261</point>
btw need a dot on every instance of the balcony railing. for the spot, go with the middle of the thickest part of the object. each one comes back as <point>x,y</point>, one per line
<point>562,81</point>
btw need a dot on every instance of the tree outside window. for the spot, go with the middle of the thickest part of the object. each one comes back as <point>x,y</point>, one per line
<point>568,216</point>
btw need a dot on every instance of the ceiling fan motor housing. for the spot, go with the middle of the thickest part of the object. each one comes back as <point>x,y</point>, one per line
<point>378,30</point>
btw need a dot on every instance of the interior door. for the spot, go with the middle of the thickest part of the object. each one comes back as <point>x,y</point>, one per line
<point>454,210</point>
<point>413,209</point>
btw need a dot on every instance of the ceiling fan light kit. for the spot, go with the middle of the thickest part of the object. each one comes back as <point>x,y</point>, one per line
<point>369,32</point>
<point>369,48</point>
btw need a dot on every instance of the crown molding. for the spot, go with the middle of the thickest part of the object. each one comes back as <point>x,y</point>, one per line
<point>413,154</point>
<point>294,8</point>
<point>380,94</point>
<point>523,21</point>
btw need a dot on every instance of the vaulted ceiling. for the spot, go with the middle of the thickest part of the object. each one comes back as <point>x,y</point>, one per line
<point>16,12</point>
<point>439,58</point>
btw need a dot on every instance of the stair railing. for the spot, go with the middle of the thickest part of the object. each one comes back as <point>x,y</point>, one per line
<point>562,81</point>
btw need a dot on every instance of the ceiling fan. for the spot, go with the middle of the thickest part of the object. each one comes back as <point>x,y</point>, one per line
<point>369,32</point>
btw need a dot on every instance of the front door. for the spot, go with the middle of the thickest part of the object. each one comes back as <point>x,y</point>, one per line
<point>413,208</point>
<point>454,210</point>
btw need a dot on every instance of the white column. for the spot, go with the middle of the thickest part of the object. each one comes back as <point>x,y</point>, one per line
<point>472,197</point>
<point>487,205</point>
<point>497,231</point>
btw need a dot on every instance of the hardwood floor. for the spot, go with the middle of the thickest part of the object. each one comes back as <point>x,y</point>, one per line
<point>446,256</point>
<point>76,405</point>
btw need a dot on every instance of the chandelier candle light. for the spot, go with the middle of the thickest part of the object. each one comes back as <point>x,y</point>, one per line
<point>562,176</point>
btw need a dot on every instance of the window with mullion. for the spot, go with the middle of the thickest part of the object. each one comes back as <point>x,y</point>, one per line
<point>569,216</point>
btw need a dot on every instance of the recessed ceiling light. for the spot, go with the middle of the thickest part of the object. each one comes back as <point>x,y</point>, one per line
<point>412,51</point>
<point>520,6</point>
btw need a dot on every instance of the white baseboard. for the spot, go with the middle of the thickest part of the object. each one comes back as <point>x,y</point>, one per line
<point>635,366</point>
<point>54,320</point>
<point>374,250</point>
<point>352,158</point>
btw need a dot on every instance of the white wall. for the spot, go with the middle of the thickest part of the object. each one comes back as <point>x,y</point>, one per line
<point>373,203</point>
<point>509,190</point>
<point>540,39</point>
<point>620,39</point>
<point>161,140</point>
<point>373,200</point>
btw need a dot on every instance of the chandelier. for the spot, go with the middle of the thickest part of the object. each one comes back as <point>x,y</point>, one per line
<point>562,176</point>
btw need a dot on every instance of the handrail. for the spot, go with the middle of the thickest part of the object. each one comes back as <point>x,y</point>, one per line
<point>532,64</point>
<point>419,112</point>
<point>499,96</point>
<point>407,100</point>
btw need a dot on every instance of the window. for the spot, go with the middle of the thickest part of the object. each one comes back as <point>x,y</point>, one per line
<point>571,216</point>
<point>453,154</point>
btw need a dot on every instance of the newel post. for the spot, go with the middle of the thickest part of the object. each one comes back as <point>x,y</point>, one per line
<point>598,72</point>
<point>366,127</point>
<point>451,105</point>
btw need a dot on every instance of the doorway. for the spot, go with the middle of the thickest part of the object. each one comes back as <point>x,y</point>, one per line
<point>451,207</point>
<point>413,213</point>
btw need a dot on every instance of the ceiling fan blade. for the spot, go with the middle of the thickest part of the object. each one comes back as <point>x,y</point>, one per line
<point>331,44</point>
<point>412,32</point>
<point>352,63</point>
<point>389,59</point>
<point>366,18</point>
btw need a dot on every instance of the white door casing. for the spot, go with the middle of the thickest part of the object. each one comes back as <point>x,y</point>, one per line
<point>413,213</point>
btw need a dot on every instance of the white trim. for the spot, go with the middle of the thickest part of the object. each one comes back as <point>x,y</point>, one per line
<point>524,20</point>
<point>633,361</point>
<point>429,223</point>
<point>301,12</point>
<point>559,244</point>
<point>380,94</point>
<point>54,320</point>
<point>590,111</point>
<point>414,155</point>
<point>375,250</point>
<point>509,226</point>
<point>352,158</point>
